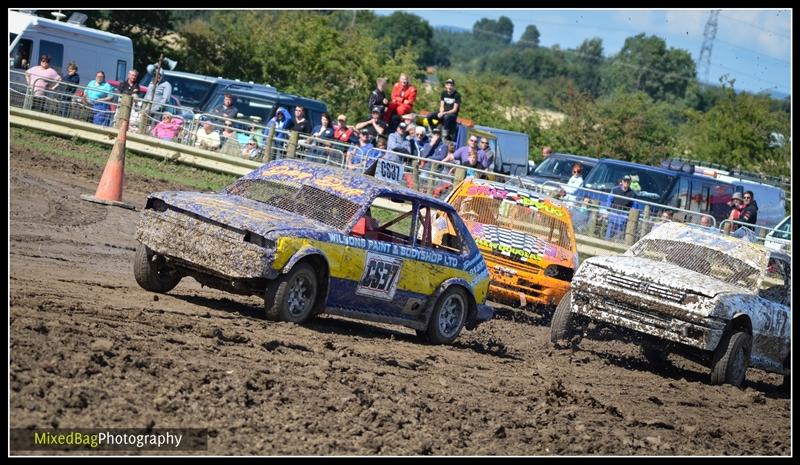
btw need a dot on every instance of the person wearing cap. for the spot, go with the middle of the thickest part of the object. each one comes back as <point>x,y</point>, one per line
<point>375,125</point>
<point>435,149</point>
<point>737,205</point>
<point>398,142</point>
<point>357,156</point>
<point>342,132</point>
<point>377,99</point>
<point>168,127</point>
<point>449,105</point>
<point>622,191</point>
<point>226,109</point>
<point>402,101</point>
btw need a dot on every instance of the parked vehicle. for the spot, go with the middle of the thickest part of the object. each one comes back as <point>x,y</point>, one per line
<point>558,168</point>
<point>254,101</point>
<point>669,187</point>
<point>90,49</point>
<point>780,238</point>
<point>688,290</point>
<point>510,147</point>
<point>314,239</point>
<point>771,198</point>
<point>526,239</point>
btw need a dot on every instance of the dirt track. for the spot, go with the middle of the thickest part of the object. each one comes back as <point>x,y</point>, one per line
<point>90,348</point>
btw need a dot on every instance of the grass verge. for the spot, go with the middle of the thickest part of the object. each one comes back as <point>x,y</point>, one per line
<point>97,154</point>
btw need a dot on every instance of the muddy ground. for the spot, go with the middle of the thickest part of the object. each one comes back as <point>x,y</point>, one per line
<point>90,348</point>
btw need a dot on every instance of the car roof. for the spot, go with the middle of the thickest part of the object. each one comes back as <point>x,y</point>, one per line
<point>657,169</point>
<point>356,187</point>
<point>572,156</point>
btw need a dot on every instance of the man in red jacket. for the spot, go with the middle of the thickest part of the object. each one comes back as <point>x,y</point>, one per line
<point>403,96</point>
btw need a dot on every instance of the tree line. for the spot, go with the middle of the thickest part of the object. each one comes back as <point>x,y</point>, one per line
<point>641,104</point>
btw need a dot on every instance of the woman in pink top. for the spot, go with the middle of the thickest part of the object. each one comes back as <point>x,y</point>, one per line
<point>168,127</point>
<point>40,78</point>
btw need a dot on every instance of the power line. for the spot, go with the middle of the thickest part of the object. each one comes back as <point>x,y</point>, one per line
<point>756,26</point>
<point>629,65</point>
<point>617,29</point>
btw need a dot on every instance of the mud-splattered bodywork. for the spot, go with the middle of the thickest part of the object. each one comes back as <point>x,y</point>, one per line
<point>688,286</point>
<point>295,210</point>
<point>527,240</point>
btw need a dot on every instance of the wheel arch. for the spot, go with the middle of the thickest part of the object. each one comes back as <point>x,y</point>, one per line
<point>319,262</point>
<point>458,282</point>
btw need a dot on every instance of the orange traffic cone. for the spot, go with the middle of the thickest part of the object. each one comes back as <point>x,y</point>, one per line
<point>109,190</point>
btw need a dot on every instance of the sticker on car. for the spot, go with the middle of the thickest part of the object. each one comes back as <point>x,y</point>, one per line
<point>381,275</point>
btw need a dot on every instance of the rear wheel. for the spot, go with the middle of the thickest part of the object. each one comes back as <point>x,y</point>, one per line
<point>293,295</point>
<point>731,359</point>
<point>448,316</point>
<point>152,272</point>
<point>562,327</point>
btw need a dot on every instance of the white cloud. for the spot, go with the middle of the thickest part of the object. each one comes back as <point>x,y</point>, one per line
<point>764,31</point>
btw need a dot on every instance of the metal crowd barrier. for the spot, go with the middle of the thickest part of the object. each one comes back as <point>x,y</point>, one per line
<point>617,227</point>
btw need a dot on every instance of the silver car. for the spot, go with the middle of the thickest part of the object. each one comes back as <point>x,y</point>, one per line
<point>718,300</point>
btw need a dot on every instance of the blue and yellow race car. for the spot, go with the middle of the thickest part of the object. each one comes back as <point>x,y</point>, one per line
<point>315,239</point>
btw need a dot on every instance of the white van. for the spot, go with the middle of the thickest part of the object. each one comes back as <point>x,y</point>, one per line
<point>91,50</point>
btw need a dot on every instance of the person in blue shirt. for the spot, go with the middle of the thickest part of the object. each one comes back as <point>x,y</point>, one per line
<point>325,129</point>
<point>99,93</point>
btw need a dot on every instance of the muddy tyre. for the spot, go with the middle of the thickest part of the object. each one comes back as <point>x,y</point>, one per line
<point>655,356</point>
<point>292,297</point>
<point>152,273</point>
<point>562,326</point>
<point>448,317</point>
<point>731,359</point>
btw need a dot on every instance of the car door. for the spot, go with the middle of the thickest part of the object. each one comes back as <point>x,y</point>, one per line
<point>388,274</point>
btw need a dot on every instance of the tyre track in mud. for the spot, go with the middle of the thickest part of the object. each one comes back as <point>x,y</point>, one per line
<point>89,348</point>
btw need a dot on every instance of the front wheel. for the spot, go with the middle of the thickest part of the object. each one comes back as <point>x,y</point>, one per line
<point>562,327</point>
<point>731,359</point>
<point>293,295</point>
<point>152,272</point>
<point>448,316</point>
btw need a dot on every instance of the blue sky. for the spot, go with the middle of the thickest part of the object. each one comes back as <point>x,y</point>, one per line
<point>752,46</point>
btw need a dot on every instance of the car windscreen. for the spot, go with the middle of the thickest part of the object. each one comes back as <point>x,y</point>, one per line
<point>698,258</point>
<point>191,92</point>
<point>559,169</point>
<point>301,199</point>
<point>646,184</point>
<point>515,216</point>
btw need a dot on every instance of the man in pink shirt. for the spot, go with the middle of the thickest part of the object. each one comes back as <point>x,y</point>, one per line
<point>41,78</point>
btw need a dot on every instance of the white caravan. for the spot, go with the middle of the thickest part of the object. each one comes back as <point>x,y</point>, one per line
<point>91,50</point>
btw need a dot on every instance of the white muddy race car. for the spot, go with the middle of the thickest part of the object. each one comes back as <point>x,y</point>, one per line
<point>718,300</point>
